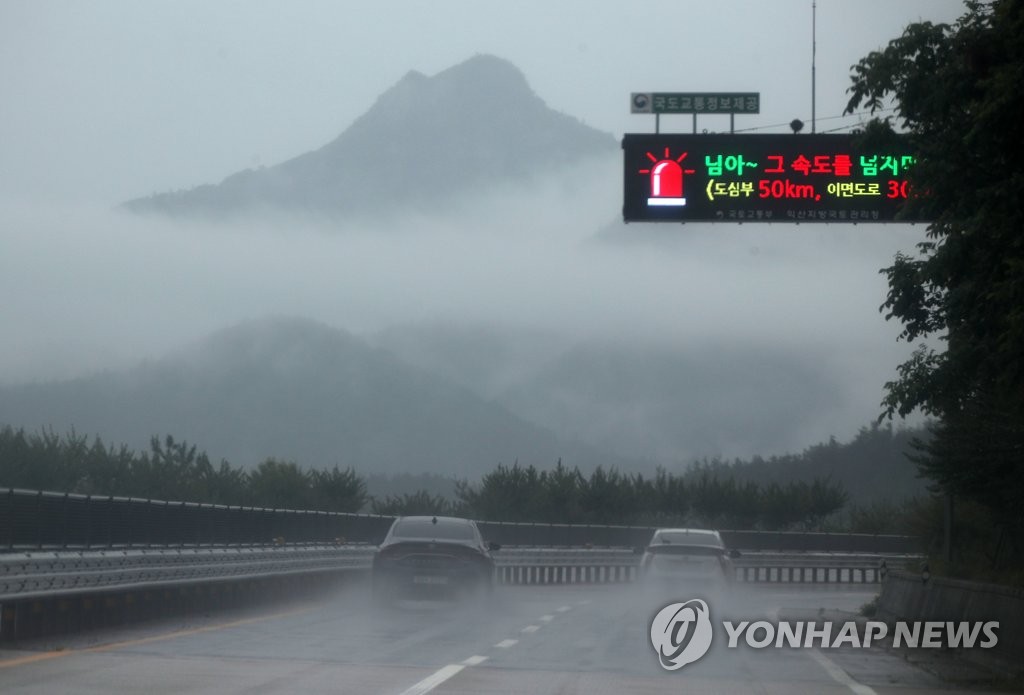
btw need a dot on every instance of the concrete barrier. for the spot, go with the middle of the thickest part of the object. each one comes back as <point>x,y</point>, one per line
<point>42,615</point>
<point>908,597</point>
<point>46,592</point>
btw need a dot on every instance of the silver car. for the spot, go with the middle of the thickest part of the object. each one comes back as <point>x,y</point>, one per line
<point>689,557</point>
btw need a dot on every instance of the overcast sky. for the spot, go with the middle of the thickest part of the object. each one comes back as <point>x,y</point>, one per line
<point>108,100</point>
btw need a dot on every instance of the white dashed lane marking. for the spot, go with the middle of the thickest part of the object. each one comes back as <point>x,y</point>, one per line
<point>446,672</point>
<point>434,679</point>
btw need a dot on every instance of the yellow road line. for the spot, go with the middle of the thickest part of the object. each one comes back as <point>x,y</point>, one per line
<point>43,656</point>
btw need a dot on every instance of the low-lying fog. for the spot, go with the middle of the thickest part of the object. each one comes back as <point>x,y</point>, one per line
<point>547,273</point>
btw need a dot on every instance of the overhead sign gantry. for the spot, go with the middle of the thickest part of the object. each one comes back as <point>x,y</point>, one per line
<point>762,178</point>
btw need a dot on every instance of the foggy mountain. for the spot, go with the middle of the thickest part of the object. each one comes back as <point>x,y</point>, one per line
<point>521,325</point>
<point>425,142</point>
<point>669,405</point>
<point>675,404</point>
<point>298,390</point>
<point>485,358</point>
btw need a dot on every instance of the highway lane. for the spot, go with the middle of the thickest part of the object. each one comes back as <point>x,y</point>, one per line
<point>538,639</point>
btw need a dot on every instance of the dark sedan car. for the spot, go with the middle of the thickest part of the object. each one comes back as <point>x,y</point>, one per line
<point>432,556</point>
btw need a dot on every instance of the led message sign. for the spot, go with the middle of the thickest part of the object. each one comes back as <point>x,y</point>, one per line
<point>761,178</point>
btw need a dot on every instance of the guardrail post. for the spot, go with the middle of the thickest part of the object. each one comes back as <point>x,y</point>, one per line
<point>9,521</point>
<point>39,516</point>
<point>63,542</point>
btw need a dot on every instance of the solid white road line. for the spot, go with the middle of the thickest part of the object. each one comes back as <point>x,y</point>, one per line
<point>838,674</point>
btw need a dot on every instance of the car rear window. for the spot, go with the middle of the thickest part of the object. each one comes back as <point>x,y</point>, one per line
<point>425,528</point>
<point>692,539</point>
<point>693,550</point>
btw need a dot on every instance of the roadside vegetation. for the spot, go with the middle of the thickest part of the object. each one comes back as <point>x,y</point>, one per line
<point>170,470</point>
<point>744,494</point>
<point>954,92</point>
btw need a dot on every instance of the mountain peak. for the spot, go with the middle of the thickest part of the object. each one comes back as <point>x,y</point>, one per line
<point>413,140</point>
<point>484,89</point>
<point>485,68</point>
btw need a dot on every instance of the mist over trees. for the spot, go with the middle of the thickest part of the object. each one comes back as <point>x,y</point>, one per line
<point>299,390</point>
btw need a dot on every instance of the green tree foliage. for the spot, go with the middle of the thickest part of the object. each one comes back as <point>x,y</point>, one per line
<point>280,484</point>
<point>381,485</point>
<point>872,467</point>
<point>565,495</point>
<point>420,502</point>
<point>957,92</point>
<point>170,470</point>
<point>508,493</point>
<point>337,490</point>
<point>562,495</point>
<point>41,461</point>
<point>883,518</point>
<point>610,497</point>
<point>106,469</point>
<point>228,485</point>
<point>179,471</point>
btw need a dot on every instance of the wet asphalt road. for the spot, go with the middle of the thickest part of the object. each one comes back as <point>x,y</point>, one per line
<point>539,639</point>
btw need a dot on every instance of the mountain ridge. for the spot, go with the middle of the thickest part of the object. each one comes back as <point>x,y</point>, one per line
<point>424,142</point>
<point>294,389</point>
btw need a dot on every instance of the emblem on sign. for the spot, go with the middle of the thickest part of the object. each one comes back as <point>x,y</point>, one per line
<point>640,102</point>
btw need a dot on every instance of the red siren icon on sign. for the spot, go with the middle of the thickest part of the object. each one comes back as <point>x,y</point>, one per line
<point>666,180</point>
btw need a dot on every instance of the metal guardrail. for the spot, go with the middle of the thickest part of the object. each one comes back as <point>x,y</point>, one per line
<point>52,574</point>
<point>565,565</point>
<point>561,566</point>
<point>71,561</point>
<point>47,592</point>
<point>816,568</point>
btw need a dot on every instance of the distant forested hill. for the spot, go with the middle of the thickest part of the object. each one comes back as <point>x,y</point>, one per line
<point>871,467</point>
